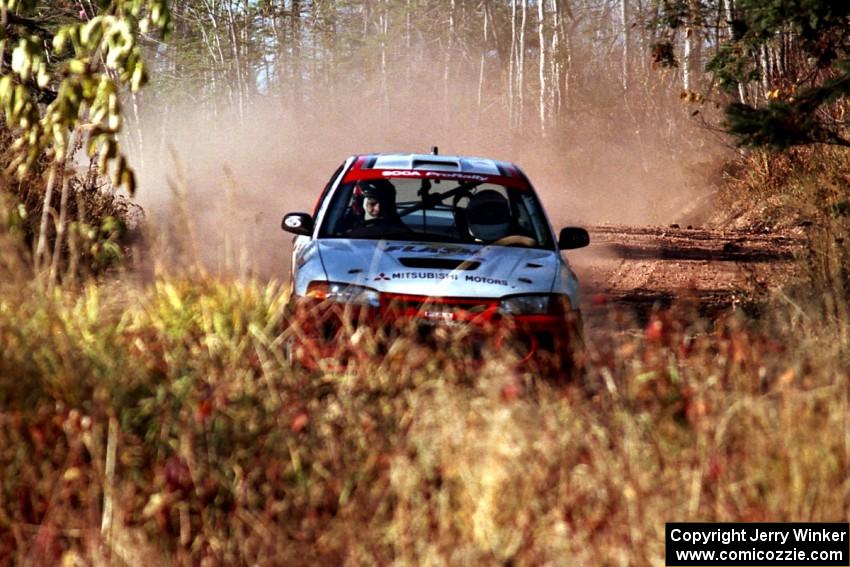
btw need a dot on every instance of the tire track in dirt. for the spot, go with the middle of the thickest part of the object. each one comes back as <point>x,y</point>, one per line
<point>641,268</point>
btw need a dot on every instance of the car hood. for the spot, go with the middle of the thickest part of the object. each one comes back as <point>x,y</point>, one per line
<point>437,269</point>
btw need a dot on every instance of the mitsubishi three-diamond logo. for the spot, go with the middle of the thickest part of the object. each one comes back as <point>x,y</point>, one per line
<point>382,277</point>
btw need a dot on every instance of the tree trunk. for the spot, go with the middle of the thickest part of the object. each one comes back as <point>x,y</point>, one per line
<point>764,71</point>
<point>512,67</point>
<point>556,62</point>
<point>729,8</point>
<point>383,21</point>
<point>686,58</point>
<point>521,66</point>
<point>41,247</point>
<point>295,50</point>
<point>485,45</point>
<point>624,14</point>
<point>447,64</point>
<point>237,60</point>
<point>541,103</point>
<point>566,69</point>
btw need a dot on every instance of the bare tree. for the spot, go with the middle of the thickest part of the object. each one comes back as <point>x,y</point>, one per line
<point>624,14</point>
<point>541,75</point>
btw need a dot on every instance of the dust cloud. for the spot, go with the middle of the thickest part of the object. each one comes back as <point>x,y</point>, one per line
<point>239,174</point>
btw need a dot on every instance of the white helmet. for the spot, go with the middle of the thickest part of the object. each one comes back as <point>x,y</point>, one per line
<point>488,216</point>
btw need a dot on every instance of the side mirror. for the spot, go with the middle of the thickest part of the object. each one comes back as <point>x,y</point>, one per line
<point>298,223</point>
<point>573,237</point>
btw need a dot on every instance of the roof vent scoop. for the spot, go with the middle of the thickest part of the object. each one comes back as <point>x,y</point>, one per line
<point>435,151</point>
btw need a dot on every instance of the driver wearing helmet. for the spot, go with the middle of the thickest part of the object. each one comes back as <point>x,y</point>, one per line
<point>374,204</point>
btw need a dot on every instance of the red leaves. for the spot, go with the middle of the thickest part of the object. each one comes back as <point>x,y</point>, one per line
<point>661,327</point>
<point>203,410</point>
<point>511,391</point>
<point>177,476</point>
<point>299,422</point>
<point>655,330</point>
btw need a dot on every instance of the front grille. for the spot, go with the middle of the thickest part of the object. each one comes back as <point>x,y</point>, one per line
<point>439,309</point>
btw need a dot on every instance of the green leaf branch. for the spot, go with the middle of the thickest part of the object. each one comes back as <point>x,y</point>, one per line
<point>89,63</point>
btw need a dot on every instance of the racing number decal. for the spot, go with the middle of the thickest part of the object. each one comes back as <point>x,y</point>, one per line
<point>293,222</point>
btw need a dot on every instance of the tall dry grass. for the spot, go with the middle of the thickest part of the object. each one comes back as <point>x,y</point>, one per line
<point>224,455</point>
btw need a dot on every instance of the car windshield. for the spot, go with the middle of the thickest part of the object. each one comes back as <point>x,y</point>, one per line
<point>437,211</point>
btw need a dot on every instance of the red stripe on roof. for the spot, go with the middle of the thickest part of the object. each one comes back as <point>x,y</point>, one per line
<point>358,163</point>
<point>512,170</point>
<point>358,174</point>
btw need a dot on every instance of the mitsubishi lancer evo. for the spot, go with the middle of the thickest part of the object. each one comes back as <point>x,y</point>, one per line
<point>442,242</point>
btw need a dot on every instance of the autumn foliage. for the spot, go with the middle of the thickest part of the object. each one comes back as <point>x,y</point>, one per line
<point>223,454</point>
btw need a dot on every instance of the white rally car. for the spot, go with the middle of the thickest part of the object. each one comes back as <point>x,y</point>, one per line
<point>440,240</point>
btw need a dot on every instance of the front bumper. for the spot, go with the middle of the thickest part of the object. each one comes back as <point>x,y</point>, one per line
<point>322,334</point>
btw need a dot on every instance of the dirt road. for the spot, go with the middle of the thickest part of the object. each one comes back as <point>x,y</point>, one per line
<point>642,267</point>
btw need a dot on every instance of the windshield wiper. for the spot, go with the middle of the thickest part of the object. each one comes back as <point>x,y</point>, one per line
<point>432,199</point>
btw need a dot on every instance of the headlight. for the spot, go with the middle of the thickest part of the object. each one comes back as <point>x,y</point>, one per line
<point>344,293</point>
<point>537,304</point>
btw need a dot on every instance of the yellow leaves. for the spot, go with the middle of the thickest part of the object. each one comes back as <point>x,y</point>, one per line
<point>91,303</point>
<point>78,66</point>
<point>112,103</point>
<point>72,558</point>
<point>20,59</point>
<point>172,295</point>
<point>60,138</point>
<point>119,42</point>
<point>14,4</point>
<point>773,95</point>
<point>114,122</point>
<point>156,503</point>
<point>787,377</point>
<point>139,78</point>
<point>92,32</point>
<point>72,474</point>
<point>105,116</point>
<point>60,40</point>
<point>6,87</point>
<point>28,56</point>
<point>21,99</point>
<point>113,56</point>
<point>156,14</point>
<point>108,152</point>
<point>42,77</point>
<point>19,103</point>
<point>127,179</point>
<point>691,97</point>
<point>87,95</point>
<point>105,101</point>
